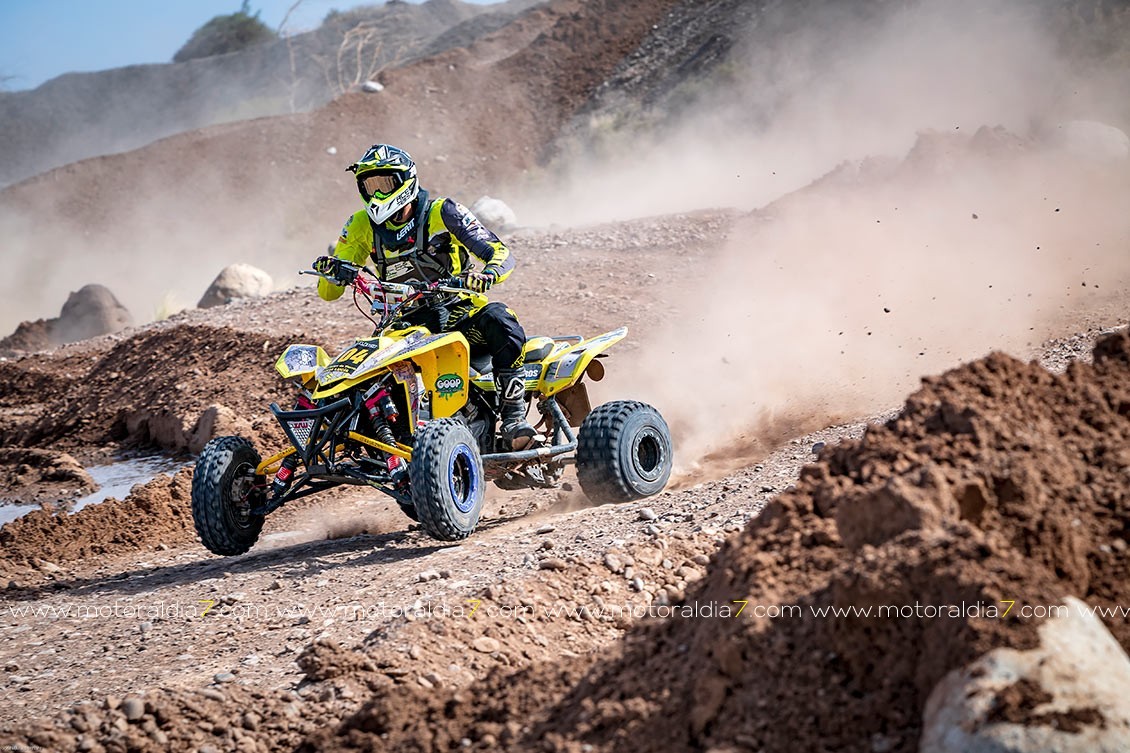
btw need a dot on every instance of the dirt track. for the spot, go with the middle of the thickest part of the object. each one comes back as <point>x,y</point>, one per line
<point>277,616</point>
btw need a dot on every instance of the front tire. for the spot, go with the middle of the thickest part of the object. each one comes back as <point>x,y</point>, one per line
<point>623,452</point>
<point>448,485</point>
<point>223,490</point>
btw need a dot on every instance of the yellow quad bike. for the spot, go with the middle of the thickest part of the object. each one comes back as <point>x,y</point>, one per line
<point>410,413</point>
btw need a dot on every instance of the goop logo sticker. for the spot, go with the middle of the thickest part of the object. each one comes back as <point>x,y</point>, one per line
<point>449,384</point>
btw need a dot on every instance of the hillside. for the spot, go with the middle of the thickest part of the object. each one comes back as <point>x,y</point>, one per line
<point>81,115</point>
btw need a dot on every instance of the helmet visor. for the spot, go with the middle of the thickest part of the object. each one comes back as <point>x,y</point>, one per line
<point>380,184</point>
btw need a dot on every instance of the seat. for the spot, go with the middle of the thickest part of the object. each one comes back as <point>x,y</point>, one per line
<point>537,348</point>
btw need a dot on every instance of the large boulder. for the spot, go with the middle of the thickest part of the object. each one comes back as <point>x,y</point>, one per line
<point>1070,694</point>
<point>89,312</point>
<point>234,282</point>
<point>1089,139</point>
<point>494,214</point>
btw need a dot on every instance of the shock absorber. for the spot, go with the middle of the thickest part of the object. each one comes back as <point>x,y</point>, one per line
<point>382,411</point>
<point>284,475</point>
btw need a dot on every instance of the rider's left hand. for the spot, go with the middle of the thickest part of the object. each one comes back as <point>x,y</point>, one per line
<point>480,282</point>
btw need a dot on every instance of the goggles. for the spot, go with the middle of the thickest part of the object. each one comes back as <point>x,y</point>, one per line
<point>380,185</point>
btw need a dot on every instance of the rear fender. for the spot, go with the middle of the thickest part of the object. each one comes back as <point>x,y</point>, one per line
<point>564,369</point>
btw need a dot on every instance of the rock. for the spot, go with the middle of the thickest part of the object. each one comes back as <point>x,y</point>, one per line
<point>145,627</point>
<point>485,644</point>
<point>234,282</point>
<point>222,677</point>
<point>494,213</point>
<point>816,448</point>
<point>133,708</point>
<point>613,563</point>
<point>1089,139</point>
<point>427,575</point>
<point>89,312</point>
<point>1070,694</point>
<point>552,563</point>
<point>47,567</point>
<point>331,150</point>
<point>648,514</point>
<point>250,721</point>
<point>881,743</point>
<point>546,529</point>
<point>215,421</point>
<point>700,559</point>
<point>372,87</point>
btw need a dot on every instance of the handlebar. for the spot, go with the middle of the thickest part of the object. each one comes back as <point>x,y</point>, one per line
<point>389,299</point>
<point>448,285</point>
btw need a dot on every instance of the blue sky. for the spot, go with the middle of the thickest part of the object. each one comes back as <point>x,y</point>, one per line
<point>41,39</point>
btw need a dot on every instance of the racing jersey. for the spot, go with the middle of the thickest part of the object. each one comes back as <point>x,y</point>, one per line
<point>436,242</point>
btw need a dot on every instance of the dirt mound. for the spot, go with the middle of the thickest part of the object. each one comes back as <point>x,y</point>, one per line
<point>1000,486</point>
<point>157,512</point>
<point>41,476</point>
<point>172,374</point>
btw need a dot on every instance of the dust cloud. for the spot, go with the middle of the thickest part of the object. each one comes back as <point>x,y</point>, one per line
<point>950,227</point>
<point>161,246</point>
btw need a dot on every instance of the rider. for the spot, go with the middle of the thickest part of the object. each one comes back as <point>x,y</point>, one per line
<point>412,237</point>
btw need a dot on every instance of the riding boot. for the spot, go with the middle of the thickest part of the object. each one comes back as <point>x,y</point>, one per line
<point>511,384</point>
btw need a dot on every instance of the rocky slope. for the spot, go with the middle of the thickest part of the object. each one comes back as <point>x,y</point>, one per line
<point>77,116</point>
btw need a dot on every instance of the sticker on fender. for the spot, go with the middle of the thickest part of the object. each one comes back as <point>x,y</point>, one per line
<point>449,384</point>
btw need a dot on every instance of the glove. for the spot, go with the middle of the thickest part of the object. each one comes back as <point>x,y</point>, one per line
<point>480,282</point>
<point>335,269</point>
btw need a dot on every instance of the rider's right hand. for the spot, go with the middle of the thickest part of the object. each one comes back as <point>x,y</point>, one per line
<point>335,269</point>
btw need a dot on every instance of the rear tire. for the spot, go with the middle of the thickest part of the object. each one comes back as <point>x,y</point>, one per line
<point>623,452</point>
<point>225,475</point>
<point>448,484</point>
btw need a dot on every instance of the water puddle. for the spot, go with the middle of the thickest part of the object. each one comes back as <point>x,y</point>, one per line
<point>114,480</point>
<point>8,513</point>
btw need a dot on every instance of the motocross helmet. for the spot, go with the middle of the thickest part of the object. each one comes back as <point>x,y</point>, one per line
<point>386,178</point>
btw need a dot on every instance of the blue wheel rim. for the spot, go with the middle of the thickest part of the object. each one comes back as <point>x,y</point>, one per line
<point>463,478</point>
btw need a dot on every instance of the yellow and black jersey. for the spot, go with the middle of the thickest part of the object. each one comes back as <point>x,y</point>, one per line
<point>438,241</point>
